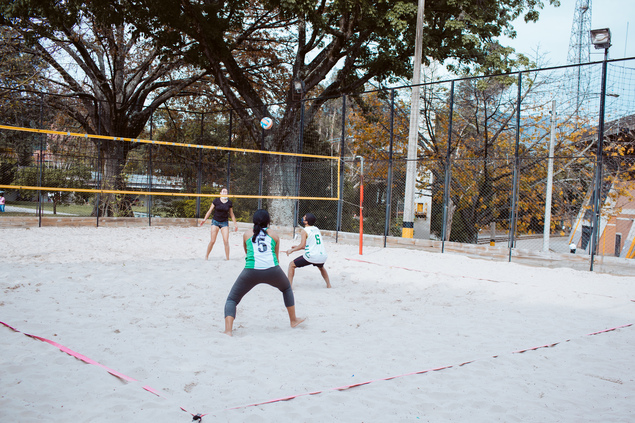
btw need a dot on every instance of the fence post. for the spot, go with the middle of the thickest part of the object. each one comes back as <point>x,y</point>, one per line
<point>199,182</point>
<point>298,165</point>
<point>547,226</point>
<point>229,153</point>
<point>389,181</point>
<point>40,163</point>
<point>99,162</point>
<point>262,147</point>
<point>512,223</point>
<point>446,185</point>
<point>338,226</point>
<point>199,170</point>
<point>361,205</point>
<point>150,177</point>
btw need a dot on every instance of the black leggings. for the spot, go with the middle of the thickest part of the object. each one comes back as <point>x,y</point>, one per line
<point>249,278</point>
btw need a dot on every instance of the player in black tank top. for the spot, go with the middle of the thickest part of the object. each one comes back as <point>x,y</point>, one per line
<point>223,210</point>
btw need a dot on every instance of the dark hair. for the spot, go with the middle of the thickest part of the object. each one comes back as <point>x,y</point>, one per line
<point>261,220</point>
<point>310,218</point>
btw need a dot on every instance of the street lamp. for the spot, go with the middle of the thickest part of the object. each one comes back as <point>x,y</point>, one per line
<point>601,39</point>
<point>298,89</point>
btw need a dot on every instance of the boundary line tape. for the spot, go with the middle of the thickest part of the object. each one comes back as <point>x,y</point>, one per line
<point>199,417</point>
<point>95,363</point>
<point>436,369</point>
<point>459,276</point>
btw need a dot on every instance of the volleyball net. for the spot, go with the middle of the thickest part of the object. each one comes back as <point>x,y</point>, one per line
<point>134,176</point>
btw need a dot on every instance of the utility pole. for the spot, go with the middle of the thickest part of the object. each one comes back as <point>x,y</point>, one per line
<point>407,230</point>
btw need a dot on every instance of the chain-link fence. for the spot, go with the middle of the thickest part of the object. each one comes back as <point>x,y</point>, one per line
<point>509,160</point>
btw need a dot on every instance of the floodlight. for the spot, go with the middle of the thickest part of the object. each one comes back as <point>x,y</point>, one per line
<point>601,38</point>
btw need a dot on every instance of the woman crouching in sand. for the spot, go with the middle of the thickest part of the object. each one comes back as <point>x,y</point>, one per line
<point>261,266</point>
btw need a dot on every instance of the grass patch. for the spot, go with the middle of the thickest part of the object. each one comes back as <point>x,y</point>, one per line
<point>73,209</point>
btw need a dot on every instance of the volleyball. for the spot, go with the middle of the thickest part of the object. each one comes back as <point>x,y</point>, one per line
<point>266,123</point>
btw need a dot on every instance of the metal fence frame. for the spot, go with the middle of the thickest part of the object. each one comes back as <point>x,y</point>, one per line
<point>347,162</point>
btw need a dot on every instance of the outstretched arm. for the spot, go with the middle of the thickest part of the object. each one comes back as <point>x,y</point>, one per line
<point>208,214</point>
<point>231,214</point>
<point>300,246</point>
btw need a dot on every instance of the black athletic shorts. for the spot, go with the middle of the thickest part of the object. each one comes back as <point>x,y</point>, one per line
<point>301,262</point>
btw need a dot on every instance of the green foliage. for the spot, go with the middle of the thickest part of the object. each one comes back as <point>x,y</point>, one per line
<point>153,50</point>
<point>76,176</point>
<point>178,208</point>
<point>118,77</point>
<point>8,169</point>
<point>68,177</point>
<point>187,207</point>
<point>258,49</point>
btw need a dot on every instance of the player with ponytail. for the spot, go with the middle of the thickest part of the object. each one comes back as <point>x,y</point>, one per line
<point>262,247</point>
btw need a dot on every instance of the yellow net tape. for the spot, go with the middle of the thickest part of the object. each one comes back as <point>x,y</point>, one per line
<point>173,194</point>
<point>143,141</point>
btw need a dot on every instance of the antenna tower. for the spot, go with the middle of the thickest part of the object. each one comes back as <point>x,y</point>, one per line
<point>580,50</point>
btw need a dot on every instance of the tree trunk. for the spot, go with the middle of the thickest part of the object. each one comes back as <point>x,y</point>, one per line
<point>281,177</point>
<point>113,178</point>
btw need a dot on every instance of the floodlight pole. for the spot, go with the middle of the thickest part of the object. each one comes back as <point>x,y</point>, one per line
<point>599,163</point>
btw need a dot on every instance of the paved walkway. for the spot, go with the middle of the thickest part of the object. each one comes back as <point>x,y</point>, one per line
<point>15,209</point>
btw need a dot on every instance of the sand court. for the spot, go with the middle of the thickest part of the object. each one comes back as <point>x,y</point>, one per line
<point>431,337</point>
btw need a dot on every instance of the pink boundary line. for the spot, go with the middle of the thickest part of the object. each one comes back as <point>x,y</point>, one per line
<point>425,271</point>
<point>341,388</point>
<point>449,274</point>
<point>90,361</point>
<point>75,354</point>
<point>345,387</point>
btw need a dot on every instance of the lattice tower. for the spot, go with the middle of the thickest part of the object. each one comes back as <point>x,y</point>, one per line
<point>579,78</point>
<point>580,41</point>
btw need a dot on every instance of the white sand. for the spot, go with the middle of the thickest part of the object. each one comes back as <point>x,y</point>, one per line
<point>145,303</point>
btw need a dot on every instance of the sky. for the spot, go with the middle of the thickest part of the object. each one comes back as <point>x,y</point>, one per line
<point>551,34</point>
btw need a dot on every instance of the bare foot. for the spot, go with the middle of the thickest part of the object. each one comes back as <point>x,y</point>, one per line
<point>296,322</point>
<point>328,285</point>
<point>229,325</point>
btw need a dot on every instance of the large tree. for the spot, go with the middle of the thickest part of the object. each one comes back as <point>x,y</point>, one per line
<point>116,76</point>
<point>255,49</point>
<point>18,71</point>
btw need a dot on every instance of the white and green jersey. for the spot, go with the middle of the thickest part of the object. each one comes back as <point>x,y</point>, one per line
<point>314,251</point>
<point>262,253</point>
